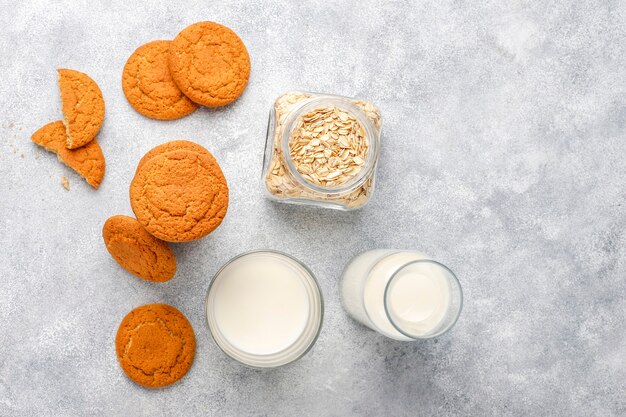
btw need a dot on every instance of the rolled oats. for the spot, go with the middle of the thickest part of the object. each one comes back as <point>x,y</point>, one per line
<point>328,148</point>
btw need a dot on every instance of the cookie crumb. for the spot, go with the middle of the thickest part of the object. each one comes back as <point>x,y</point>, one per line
<point>65,183</point>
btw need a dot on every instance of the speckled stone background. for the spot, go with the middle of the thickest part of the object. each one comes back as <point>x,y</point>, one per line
<point>504,157</point>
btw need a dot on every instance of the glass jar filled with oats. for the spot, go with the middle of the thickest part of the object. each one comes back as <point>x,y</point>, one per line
<point>321,150</point>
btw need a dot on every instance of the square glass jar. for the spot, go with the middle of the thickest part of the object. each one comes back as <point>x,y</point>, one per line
<point>321,150</point>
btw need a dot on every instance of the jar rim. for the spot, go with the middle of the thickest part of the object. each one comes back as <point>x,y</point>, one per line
<point>371,134</point>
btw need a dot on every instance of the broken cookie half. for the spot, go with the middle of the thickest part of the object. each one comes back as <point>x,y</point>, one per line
<point>87,161</point>
<point>83,107</point>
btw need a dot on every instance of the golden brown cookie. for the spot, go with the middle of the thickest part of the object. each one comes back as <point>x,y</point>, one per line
<point>209,63</point>
<point>155,345</point>
<point>87,161</point>
<point>137,251</point>
<point>149,87</point>
<point>83,107</point>
<point>180,193</point>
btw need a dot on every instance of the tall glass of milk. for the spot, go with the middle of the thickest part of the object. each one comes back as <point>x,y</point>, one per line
<point>264,309</point>
<point>404,295</point>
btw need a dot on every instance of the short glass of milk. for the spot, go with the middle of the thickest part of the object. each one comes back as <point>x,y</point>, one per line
<point>405,295</point>
<point>264,309</point>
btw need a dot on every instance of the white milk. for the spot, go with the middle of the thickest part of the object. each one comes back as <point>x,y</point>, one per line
<point>418,300</point>
<point>263,304</point>
<point>261,308</point>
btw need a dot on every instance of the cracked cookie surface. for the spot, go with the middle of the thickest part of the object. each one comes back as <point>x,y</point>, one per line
<point>174,145</point>
<point>83,107</point>
<point>87,161</point>
<point>209,63</point>
<point>180,193</point>
<point>155,345</point>
<point>138,251</point>
<point>149,87</point>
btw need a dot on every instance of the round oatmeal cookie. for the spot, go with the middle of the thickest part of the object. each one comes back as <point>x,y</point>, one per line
<point>137,251</point>
<point>87,161</point>
<point>179,193</point>
<point>149,87</point>
<point>155,345</point>
<point>82,105</point>
<point>209,63</point>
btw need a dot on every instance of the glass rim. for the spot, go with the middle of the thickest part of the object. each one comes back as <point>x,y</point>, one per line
<point>313,280</point>
<point>371,136</point>
<point>455,280</point>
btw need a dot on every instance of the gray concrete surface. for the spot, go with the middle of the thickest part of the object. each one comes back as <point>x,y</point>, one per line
<point>504,141</point>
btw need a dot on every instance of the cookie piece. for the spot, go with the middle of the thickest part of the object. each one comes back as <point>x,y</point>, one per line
<point>137,251</point>
<point>180,193</point>
<point>83,107</point>
<point>149,87</point>
<point>209,63</point>
<point>155,345</point>
<point>87,161</point>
